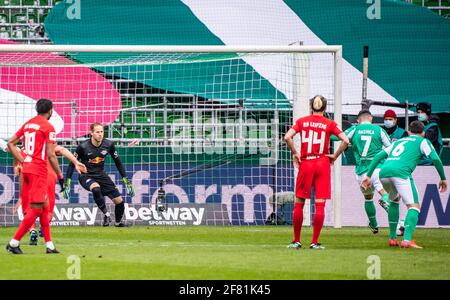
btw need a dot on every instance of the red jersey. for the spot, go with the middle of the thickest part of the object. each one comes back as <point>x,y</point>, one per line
<point>35,133</point>
<point>315,132</point>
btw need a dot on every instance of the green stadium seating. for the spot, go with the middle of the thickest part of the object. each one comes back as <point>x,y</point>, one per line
<point>4,32</point>
<point>20,18</point>
<point>4,18</point>
<point>30,2</point>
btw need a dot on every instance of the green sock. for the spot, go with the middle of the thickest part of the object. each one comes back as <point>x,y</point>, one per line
<point>385,198</point>
<point>410,223</point>
<point>393,216</point>
<point>371,212</point>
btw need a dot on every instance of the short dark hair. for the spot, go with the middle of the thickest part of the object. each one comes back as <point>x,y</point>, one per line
<point>43,106</point>
<point>416,127</point>
<point>364,112</point>
<point>318,103</point>
<point>95,124</point>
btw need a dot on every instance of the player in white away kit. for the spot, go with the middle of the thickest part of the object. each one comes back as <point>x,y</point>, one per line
<point>367,141</point>
<point>402,158</point>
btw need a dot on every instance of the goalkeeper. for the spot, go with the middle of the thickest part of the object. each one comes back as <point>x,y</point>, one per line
<point>92,153</point>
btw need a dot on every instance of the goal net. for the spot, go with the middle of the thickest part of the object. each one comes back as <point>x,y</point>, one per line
<point>199,129</point>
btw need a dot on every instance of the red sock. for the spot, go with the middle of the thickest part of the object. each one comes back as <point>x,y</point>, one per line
<point>297,218</point>
<point>319,217</point>
<point>27,222</point>
<point>45,224</point>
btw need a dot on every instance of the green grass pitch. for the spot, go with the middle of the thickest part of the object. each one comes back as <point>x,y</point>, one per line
<point>231,252</point>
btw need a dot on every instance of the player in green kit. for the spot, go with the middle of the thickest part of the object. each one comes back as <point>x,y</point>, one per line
<point>367,141</point>
<point>402,158</point>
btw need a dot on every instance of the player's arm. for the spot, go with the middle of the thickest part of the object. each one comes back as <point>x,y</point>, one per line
<point>71,167</point>
<point>67,183</point>
<point>289,140</point>
<point>80,167</point>
<point>385,139</point>
<point>12,148</point>
<point>115,156</point>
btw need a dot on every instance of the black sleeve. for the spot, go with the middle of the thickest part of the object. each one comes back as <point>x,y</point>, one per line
<point>432,134</point>
<point>71,167</point>
<point>116,158</point>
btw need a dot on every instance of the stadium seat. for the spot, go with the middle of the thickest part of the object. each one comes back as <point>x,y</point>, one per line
<point>30,2</point>
<point>20,18</point>
<point>32,18</point>
<point>4,33</point>
<point>19,33</point>
<point>4,19</point>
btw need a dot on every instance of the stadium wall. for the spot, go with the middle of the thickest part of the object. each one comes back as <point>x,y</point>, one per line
<point>239,199</point>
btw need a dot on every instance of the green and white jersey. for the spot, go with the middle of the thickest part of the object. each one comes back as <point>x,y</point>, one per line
<point>367,141</point>
<point>404,155</point>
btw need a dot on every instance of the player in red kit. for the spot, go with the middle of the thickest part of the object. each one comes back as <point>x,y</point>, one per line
<point>313,164</point>
<point>38,136</point>
<point>51,184</point>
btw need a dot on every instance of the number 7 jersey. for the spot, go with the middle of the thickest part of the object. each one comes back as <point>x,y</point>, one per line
<point>315,132</point>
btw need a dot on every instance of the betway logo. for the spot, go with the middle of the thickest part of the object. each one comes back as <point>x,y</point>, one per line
<point>171,214</point>
<point>78,214</point>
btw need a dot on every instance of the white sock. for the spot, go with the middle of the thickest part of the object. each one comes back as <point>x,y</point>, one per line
<point>107,214</point>
<point>50,245</point>
<point>14,243</point>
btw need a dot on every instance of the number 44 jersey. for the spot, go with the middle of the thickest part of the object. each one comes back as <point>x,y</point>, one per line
<point>315,132</point>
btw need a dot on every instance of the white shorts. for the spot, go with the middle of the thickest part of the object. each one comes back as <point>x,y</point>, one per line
<point>404,187</point>
<point>375,183</point>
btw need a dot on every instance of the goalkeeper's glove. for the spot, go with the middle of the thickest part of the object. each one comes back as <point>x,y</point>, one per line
<point>61,183</point>
<point>66,188</point>
<point>130,189</point>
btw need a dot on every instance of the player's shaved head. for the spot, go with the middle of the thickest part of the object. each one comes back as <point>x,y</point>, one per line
<point>318,103</point>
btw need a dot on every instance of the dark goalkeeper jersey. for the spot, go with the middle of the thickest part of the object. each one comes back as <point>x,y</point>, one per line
<point>94,158</point>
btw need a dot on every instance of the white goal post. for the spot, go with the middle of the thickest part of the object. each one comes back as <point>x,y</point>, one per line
<point>292,73</point>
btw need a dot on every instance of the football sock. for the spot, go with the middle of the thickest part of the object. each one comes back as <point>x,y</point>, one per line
<point>27,222</point>
<point>410,223</point>
<point>50,245</point>
<point>99,199</point>
<point>14,243</point>
<point>319,217</point>
<point>371,212</point>
<point>119,210</point>
<point>45,224</point>
<point>393,216</point>
<point>297,218</point>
